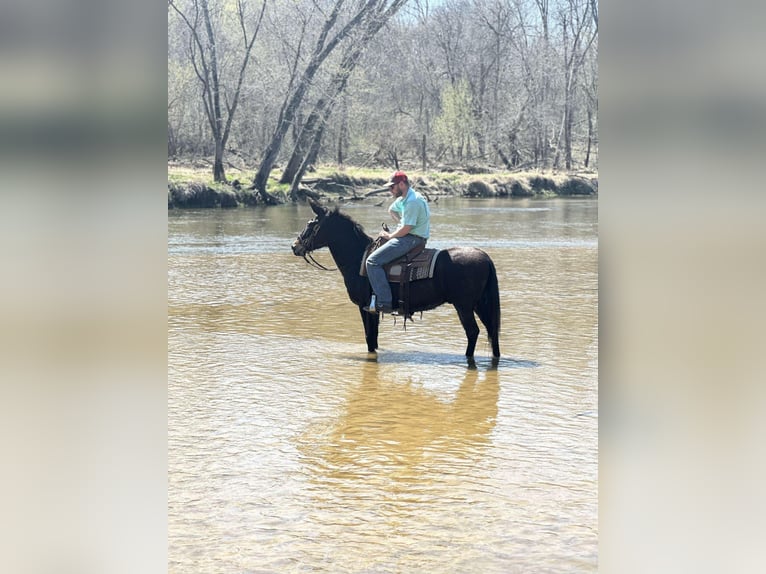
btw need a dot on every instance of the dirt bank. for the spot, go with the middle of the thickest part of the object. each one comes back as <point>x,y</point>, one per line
<point>191,192</point>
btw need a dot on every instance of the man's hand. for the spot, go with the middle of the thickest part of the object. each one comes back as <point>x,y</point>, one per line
<point>401,232</point>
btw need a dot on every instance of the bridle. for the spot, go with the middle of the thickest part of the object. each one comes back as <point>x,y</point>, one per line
<point>307,257</point>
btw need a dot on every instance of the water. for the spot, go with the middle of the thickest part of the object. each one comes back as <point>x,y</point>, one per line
<point>291,449</point>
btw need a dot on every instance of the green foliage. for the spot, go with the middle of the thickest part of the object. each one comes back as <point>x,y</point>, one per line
<point>455,125</point>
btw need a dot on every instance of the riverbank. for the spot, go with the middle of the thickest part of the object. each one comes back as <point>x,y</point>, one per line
<point>191,186</point>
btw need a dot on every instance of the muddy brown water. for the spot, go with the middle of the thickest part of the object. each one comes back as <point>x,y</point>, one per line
<point>291,449</point>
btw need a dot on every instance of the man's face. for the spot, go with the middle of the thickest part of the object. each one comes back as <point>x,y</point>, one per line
<point>396,190</point>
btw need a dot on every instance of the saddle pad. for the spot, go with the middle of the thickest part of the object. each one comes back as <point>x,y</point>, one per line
<point>421,266</point>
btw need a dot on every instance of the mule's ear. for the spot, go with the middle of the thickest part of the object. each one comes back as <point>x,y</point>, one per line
<point>317,208</point>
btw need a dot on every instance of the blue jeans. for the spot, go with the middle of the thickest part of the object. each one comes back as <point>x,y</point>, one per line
<point>392,249</point>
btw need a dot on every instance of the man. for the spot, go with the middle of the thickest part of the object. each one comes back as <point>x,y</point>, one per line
<point>414,227</point>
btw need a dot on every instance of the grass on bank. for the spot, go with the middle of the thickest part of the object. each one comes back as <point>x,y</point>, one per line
<point>535,182</point>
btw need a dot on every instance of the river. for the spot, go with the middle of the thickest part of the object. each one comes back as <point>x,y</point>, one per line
<point>291,449</point>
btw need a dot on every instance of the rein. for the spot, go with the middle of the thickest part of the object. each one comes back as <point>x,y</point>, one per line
<point>314,263</point>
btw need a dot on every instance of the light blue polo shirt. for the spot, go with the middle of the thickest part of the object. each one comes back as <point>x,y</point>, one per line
<point>414,211</point>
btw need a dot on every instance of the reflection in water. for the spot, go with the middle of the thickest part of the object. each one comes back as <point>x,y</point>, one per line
<point>398,431</point>
<point>396,464</point>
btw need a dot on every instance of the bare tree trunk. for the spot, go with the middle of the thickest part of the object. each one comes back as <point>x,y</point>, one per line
<point>216,119</point>
<point>590,137</point>
<point>322,50</point>
<point>172,142</point>
<point>562,131</point>
<point>502,156</point>
<point>575,50</point>
<point>218,170</point>
<point>311,134</point>
<point>393,156</point>
<point>544,88</point>
<point>292,102</point>
<point>342,136</point>
<point>568,133</point>
<point>301,148</point>
<point>205,59</point>
<point>478,111</point>
<point>310,158</point>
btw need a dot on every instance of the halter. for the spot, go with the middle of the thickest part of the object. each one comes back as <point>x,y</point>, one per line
<point>307,255</point>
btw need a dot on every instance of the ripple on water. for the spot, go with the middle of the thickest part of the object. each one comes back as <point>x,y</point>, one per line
<point>292,449</point>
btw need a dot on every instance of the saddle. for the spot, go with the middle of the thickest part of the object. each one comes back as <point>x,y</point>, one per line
<point>417,263</point>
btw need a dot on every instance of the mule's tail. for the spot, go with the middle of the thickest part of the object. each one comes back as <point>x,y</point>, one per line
<point>488,309</point>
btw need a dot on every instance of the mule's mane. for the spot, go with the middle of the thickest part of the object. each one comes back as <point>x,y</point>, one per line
<point>356,227</point>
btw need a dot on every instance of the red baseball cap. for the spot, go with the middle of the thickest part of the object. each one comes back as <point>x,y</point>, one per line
<point>397,177</point>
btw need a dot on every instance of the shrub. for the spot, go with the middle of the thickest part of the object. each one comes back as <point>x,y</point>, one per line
<point>575,186</point>
<point>478,188</point>
<point>540,183</point>
<point>520,189</point>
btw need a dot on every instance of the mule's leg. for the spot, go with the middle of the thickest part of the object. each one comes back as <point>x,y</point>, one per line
<point>371,323</point>
<point>465,312</point>
<point>491,331</point>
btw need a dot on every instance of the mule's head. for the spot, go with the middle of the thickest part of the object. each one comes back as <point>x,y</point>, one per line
<point>312,237</point>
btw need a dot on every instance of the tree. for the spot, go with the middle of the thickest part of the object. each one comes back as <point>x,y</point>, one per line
<point>325,45</point>
<point>590,88</point>
<point>310,137</point>
<point>455,126</point>
<point>512,81</point>
<point>203,51</point>
<point>577,39</point>
<point>490,56</point>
